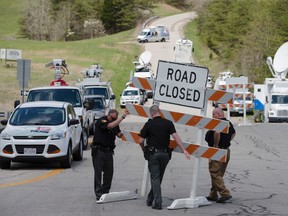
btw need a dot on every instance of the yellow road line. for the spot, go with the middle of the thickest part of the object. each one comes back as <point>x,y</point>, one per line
<point>36,179</point>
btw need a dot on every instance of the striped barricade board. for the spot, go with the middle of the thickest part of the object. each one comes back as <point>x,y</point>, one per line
<point>241,106</point>
<point>238,86</point>
<point>193,149</point>
<point>211,94</point>
<point>240,95</point>
<point>181,118</point>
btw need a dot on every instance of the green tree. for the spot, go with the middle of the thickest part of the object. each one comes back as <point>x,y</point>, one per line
<point>118,15</point>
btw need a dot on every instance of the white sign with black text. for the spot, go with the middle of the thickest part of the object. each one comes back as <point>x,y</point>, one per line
<point>181,84</point>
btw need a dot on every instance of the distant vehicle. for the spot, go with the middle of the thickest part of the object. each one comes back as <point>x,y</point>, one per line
<point>154,34</point>
<point>98,110</point>
<point>68,94</point>
<point>92,84</point>
<point>183,51</point>
<point>143,69</point>
<point>41,132</point>
<point>60,91</point>
<point>220,83</point>
<point>272,96</point>
<point>210,82</point>
<point>105,89</point>
<point>223,82</point>
<point>131,95</point>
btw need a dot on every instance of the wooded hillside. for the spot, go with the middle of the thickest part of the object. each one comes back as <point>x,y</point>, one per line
<point>244,32</point>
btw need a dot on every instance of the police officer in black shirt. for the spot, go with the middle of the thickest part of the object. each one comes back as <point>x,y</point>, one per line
<point>106,130</point>
<point>157,131</point>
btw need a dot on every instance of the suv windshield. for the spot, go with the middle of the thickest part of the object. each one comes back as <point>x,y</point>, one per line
<point>130,93</point>
<point>97,103</point>
<point>66,95</point>
<point>38,116</point>
<point>97,91</point>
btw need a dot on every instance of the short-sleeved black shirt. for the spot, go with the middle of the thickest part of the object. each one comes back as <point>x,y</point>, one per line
<point>104,136</point>
<point>157,131</point>
<point>225,139</point>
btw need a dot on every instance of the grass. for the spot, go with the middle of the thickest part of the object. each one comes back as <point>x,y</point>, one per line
<point>115,53</point>
<point>10,14</point>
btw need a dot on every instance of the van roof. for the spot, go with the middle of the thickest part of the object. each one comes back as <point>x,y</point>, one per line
<point>55,87</point>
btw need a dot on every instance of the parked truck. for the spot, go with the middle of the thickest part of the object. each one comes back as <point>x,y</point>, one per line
<point>154,34</point>
<point>271,98</point>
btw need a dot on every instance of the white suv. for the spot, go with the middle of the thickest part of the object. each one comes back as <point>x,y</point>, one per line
<point>41,131</point>
<point>68,94</point>
<point>131,95</point>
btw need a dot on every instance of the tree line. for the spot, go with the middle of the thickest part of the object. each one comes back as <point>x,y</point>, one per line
<point>244,32</point>
<point>56,20</point>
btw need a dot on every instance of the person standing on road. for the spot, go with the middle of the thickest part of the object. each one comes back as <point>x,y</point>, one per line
<point>102,150</point>
<point>216,168</point>
<point>157,133</point>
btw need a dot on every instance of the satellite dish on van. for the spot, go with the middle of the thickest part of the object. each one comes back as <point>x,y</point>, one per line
<point>280,62</point>
<point>145,58</point>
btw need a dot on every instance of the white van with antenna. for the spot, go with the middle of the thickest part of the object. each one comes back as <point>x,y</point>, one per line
<point>273,94</point>
<point>157,33</point>
<point>143,69</point>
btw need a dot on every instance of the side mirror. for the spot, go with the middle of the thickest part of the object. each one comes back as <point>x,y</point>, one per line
<point>4,122</point>
<point>16,103</point>
<point>74,121</point>
<point>113,97</point>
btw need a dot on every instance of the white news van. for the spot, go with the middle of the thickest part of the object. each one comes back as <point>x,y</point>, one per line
<point>154,34</point>
<point>273,94</point>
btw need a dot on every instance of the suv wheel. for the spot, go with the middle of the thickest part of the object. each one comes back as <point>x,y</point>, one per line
<point>78,155</point>
<point>68,160</point>
<point>85,138</point>
<point>5,164</point>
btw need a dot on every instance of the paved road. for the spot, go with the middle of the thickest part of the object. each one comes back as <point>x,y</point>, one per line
<point>257,176</point>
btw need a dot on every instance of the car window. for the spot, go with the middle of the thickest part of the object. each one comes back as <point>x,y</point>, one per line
<point>66,95</point>
<point>38,116</point>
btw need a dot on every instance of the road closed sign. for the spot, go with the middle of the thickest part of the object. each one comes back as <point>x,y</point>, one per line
<point>181,84</point>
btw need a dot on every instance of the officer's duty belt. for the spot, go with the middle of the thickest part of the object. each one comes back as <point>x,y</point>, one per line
<point>104,148</point>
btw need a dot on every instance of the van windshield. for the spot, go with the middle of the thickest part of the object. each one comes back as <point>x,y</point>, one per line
<point>97,91</point>
<point>279,99</point>
<point>66,95</point>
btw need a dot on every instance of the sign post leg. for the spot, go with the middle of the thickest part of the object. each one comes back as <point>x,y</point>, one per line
<point>193,201</point>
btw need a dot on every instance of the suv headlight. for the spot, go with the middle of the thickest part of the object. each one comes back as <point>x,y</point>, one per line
<point>5,136</point>
<point>57,136</point>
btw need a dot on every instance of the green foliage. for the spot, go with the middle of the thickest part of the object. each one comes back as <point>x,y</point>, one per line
<point>181,4</point>
<point>242,33</point>
<point>118,15</point>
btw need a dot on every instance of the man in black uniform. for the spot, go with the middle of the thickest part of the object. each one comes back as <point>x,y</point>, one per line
<point>216,168</point>
<point>157,131</point>
<point>106,130</point>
